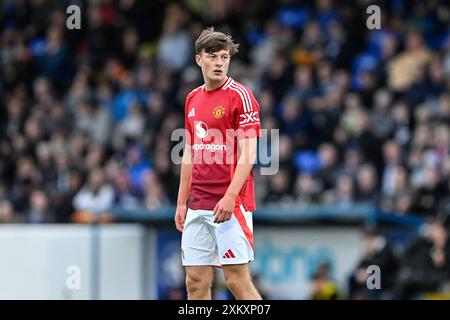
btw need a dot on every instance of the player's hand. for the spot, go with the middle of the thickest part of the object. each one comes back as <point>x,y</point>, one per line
<point>180,217</point>
<point>224,209</point>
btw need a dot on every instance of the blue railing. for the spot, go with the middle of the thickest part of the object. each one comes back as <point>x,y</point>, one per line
<point>361,213</point>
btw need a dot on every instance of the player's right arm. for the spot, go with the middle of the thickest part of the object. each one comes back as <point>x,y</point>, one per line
<point>183,191</point>
<point>186,171</point>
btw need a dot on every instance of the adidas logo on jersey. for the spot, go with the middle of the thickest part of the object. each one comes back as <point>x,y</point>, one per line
<point>191,113</point>
<point>229,254</point>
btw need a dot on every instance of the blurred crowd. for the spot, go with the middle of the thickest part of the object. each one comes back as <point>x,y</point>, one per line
<point>86,116</point>
<point>420,269</point>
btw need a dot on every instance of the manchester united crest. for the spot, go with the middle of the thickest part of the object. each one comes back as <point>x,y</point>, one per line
<point>218,112</point>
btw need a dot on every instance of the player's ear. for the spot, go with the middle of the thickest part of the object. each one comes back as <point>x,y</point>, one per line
<point>197,59</point>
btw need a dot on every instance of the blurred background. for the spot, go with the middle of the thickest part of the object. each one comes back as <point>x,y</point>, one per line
<point>87,185</point>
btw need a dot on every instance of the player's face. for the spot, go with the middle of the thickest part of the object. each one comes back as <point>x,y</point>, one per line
<point>214,65</point>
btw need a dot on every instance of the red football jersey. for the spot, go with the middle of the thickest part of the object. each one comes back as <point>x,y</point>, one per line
<point>214,120</point>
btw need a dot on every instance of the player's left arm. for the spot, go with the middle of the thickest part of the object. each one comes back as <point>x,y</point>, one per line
<point>247,157</point>
<point>247,124</point>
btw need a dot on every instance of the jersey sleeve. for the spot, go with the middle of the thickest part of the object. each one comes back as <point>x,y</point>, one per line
<point>247,119</point>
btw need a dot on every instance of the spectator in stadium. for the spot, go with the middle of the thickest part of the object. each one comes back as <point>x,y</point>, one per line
<point>94,121</point>
<point>154,195</point>
<point>27,178</point>
<point>366,184</point>
<point>392,162</point>
<point>343,195</point>
<point>137,166</point>
<point>124,195</point>
<point>403,204</point>
<point>307,189</point>
<point>323,287</point>
<point>296,120</point>
<point>402,67</point>
<point>279,189</point>
<point>425,265</point>
<point>303,88</point>
<point>131,128</point>
<point>402,125</point>
<point>400,190</point>
<point>96,196</point>
<point>354,115</point>
<point>3,191</point>
<point>6,211</point>
<point>377,252</point>
<point>426,197</point>
<point>328,172</point>
<point>39,211</point>
<point>53,59</point>
<point>381,118</point>
<point>443,205</point>
<point>175,46</point>
<point>63,200</point>
<point>46,165</point>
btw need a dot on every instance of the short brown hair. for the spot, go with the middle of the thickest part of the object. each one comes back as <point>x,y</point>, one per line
<point>213,41</point>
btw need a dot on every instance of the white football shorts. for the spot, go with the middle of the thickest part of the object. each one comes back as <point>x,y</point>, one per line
<point>204,242</point>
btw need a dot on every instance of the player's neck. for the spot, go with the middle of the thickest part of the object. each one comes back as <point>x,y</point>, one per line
<point>212,85</point>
